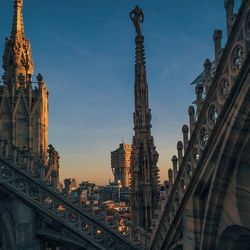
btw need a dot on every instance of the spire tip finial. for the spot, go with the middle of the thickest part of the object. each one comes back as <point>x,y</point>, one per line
<point>17,26</point>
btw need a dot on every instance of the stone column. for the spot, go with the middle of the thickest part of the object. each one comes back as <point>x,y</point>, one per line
<point>54,180</point>
<point>229,6</point>
<point>185,131</point>
<point>170,177</point>
<point>199,102</point>
<point>180,153</point>
<point>25,219</point>
<point>167,188</point>
<point>207,68</point>
<point>217,46</point>
<point>175,170</point>
<point>67,186</point>
<point>42,171</point>
<point>191,113</point>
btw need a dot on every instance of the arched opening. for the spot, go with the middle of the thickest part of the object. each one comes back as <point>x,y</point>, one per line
<point>7,239</point>
<point>221,209</point>
<point>243,186</point>
<point>234,237</point>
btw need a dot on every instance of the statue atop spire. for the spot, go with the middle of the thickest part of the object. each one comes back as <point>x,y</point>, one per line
<point>17,25</point>
<point>137,16</point>
<point>144,157</point>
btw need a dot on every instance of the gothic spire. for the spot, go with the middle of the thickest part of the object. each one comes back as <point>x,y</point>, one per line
<point>144,157</point>
<point>142,115</point>
<point>17,58</point>
<point>17,25</point>
<point>24,116</point>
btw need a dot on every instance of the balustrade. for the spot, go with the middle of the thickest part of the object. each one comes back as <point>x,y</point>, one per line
<point>27,183</point>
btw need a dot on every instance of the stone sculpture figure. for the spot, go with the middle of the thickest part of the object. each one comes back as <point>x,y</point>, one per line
<point>137,16</point>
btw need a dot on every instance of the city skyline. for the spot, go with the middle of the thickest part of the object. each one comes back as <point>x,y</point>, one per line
<point>99,92</point>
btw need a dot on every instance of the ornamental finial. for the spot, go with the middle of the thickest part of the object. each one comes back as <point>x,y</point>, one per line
<point>17,26</point>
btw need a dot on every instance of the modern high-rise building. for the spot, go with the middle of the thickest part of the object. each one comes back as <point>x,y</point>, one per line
<point>120,164</point>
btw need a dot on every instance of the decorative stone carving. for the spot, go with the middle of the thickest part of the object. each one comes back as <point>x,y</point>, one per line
<point>196,155</point>
<point>29,125</point>
<point>237,58</point>
<point>223,90</point>
<point>203,138</point>
<point>212,116</point>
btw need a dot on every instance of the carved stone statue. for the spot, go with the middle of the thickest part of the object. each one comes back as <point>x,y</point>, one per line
<point>137,16</point>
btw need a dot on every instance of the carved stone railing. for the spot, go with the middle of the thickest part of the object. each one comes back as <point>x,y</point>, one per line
<point>36,193</point>
<point>230,64</point>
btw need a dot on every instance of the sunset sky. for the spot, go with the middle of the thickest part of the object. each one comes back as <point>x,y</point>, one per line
<point>85,51</point>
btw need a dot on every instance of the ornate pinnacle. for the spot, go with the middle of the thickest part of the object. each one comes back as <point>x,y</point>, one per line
<point>144,157</point>
<point>17,58</point>
<point>142,115</point>
<point>137,17</point>
<point>17,26</point>
<point>140,53</point>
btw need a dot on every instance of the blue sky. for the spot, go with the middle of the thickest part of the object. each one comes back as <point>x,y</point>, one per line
<point>85,51</point>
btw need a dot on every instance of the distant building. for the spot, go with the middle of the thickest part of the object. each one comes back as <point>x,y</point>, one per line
<point>88,191</point>
<point>120,164</point>
<point>73,184</point>
<point>114,192</point>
